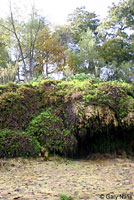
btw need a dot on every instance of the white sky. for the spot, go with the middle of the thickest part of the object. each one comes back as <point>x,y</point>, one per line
<point>57,10</point>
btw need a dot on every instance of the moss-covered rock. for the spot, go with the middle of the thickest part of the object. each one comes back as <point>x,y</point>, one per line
<point>66,116</point>
<point>17,144</point>
<point>48,92</point>
<point>49,129</point>
<point>18,108</point>
<point>10,87</point>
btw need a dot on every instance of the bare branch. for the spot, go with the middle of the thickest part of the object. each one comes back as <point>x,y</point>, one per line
<point>7,28</point>
<point>17,38</point>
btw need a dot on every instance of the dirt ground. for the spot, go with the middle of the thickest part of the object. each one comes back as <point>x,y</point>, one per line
<point>89,179</point>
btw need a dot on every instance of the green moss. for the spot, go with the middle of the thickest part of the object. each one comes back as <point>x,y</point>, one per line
<point>47,91</point>
<point>17,144</point>
<point>18,108</point>
<point>49,129</point>
<point>73,90</point>
<point>114,95</point>
<point>61,114</point>
<point>10,87</point>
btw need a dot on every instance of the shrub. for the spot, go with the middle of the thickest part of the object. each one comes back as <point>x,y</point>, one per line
<point>16,144</point>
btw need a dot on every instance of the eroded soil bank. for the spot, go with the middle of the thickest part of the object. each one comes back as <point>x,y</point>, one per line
<point>90,179</point>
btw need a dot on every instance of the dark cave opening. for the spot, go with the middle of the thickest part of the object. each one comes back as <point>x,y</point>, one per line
<point>116,141</point>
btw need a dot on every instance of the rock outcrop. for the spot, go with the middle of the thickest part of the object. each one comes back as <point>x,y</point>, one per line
<point>71,117</point>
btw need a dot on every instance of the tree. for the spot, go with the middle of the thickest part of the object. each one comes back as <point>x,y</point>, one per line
<point>88,58</point>
<point>80,21</point>
<point>63,35</point>
<point>119,22</point>
<point>116,49</point>
<point>72,61</point>
<point>8,73</point>
<point>23,37</point>
<point>49,52</point>
<point>34,24</point>
<point>117,46</point>
<point>4,54</point>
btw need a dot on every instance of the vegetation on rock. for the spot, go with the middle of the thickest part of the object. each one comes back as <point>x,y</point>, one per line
<point>17,144</point>
<point>72,117</point>
<point>49,129</point>
<point>18,107</point>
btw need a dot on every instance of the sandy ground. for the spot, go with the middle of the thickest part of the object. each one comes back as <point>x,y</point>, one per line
<point>36,179</point>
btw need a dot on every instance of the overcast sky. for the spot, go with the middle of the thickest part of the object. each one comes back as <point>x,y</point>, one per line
<point>57,10</point>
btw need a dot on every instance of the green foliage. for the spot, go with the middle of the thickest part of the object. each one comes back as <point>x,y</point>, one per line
<point>17,144</point>
<point>90,60</point>
<point>49,53</point>
<point>8,73</point>
<point>117,55</point>
<point>73,90</point>
<point>122,18</point>
<point>64,116</point>
<point>84,45</point>
<point>63,35</point>
<point>64,197</point>
<point>117,50</point>
<point>18,107</point>
<point>117,47</point>
<point>5,58</point>
<point>48,128</point>
<point>86,56</point>
<point>39,80</point>
<point>10,87</point>
<point>80,21</point>
<point>24,34</point>
<point>126,72</point>
<point>82,77</point>
<point>112,94</point>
